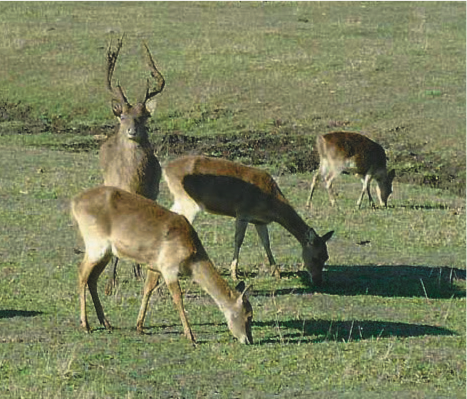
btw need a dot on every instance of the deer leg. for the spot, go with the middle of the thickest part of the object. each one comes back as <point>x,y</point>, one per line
<point>88,274</point>
<point>312,187</point>
<point>112,281</point>
<point>370,198</point>
<point>240,229</point>
<point>328,184</point>
<point>366,188</point>
<point>150,285</point>
<point>378,193</point>
<point>174,288</point>
<point>83,274</point>
<point>262,230</point>
<point>137,271</point>
<point>92,285</point>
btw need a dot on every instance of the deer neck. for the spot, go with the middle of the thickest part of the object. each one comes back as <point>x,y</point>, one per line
<point>287,217</point>
<point>128,144</point>
<point>133,152</point>
<point>207,276</point>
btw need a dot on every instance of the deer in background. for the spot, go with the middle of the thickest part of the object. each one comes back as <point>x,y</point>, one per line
<point>354,153</point>
<point>127,158</point>
<point>249,195</point>
<point>115,222</point>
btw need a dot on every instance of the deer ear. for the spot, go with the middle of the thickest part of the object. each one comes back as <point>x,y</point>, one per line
<point>327,236</point>
<point>311,235</point>
<point>117,108</point>
<point>242,289</point>
<point>151,106</point>
<point>240,286</point>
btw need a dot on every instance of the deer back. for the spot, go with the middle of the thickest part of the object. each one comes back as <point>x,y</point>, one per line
<point>136,227</point>
<point>222,186</point>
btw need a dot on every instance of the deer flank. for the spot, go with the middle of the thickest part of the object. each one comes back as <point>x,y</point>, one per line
<point>353,153</point>
<point>115,222</point>
<point>249,195</point>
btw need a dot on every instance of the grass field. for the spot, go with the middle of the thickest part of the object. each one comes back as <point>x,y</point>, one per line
<point>241,78</point>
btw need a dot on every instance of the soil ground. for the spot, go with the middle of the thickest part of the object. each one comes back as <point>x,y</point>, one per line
<point>286,147</point>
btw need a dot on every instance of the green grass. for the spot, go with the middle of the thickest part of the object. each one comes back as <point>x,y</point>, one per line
<point>395,71</point>
<point>369,63</point>
<point>390,321</point>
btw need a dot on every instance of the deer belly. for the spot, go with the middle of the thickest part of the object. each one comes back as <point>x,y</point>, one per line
<point>138,251</point>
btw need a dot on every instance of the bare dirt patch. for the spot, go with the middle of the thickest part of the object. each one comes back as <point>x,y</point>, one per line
<point>284,146</point>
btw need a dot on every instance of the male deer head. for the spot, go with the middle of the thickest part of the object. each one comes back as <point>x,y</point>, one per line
<point>133,117</point>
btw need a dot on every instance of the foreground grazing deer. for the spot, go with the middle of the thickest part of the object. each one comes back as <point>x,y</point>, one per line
<point>115,222</point>
<point>248,194</point>
<point>127,158</point>
<point>352,152</point>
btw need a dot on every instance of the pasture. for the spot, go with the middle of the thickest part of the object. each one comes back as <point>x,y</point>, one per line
<point>254,82</point>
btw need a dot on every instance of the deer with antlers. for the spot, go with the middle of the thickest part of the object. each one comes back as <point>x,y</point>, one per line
<point>127,158</point>
<point>115,222</point>
<point>249,195</point>
<point>355,153</point>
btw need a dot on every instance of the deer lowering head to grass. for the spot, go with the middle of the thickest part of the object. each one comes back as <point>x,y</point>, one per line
<point>127,158</point>
<point>115,222</point>
<point>249,195</point>
<point>354,153</point>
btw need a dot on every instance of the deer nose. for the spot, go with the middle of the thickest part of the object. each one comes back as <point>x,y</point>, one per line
<point>131,131</point>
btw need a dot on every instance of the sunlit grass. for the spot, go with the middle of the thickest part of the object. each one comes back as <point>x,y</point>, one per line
<point>391,317</point>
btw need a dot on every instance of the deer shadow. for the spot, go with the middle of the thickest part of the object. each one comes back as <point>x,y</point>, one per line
<point>311,331</point>
<point>385,281</point>
<point>424,207</point>
<point>10,313</point>
<point>315,331</point>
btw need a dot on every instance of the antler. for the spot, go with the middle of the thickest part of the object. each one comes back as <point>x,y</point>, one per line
<point>160,82</point>
<point>111,61</point>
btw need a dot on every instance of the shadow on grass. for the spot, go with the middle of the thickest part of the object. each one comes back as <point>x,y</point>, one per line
<point>386,281</point>
<point>203,332</point>
<point>421,207</point>
<point>345,331</point>
<point>296,331</point>
<point>9,313</point>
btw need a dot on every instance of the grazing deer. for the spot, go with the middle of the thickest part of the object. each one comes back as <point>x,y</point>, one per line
<point>352,152</point>
<point>249,195</point>
<point>127,158</point>
<point>115,222</point>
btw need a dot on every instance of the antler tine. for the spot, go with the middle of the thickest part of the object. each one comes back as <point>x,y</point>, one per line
<point>111,62</point>
<point>160,82</point>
